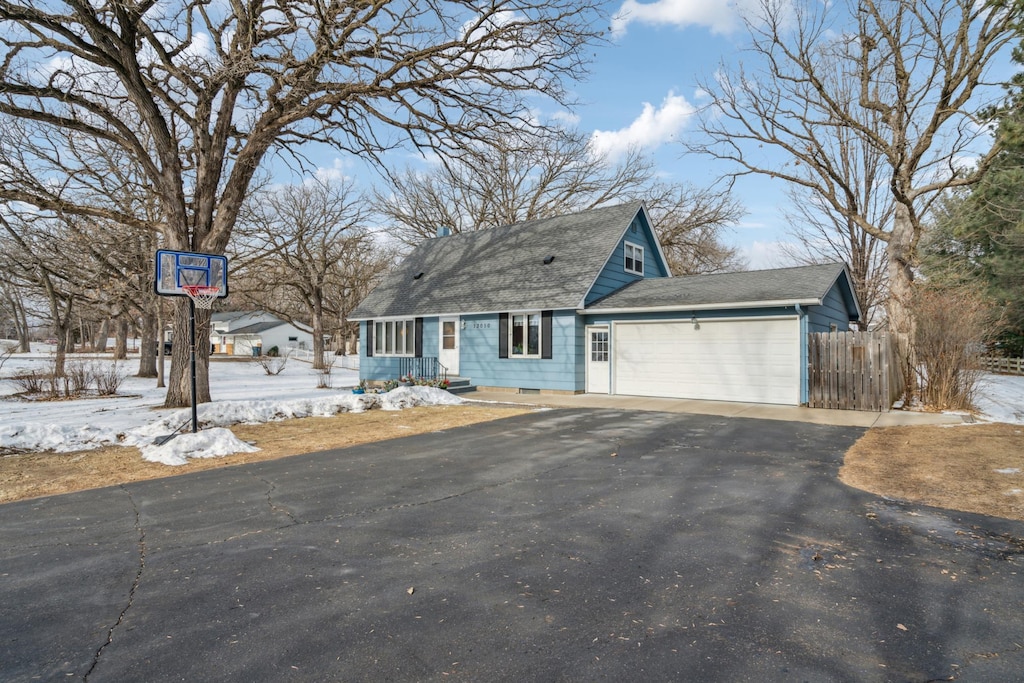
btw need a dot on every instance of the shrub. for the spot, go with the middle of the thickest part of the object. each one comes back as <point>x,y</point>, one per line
<point>108,379</point>
<point>272,364</point>
<point>952,326</point>
<point>78,376</point>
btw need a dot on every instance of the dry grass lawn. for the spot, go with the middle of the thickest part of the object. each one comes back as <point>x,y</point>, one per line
<point>972,468</point>
<point>30,475</point>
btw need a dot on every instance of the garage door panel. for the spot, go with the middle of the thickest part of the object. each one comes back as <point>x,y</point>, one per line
<point>750,360</point>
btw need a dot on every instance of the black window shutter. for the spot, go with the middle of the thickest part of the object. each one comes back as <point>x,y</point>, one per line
<point>503,335</point>
<point>369,338</point>
<point>545,334</point>
<point>418,342</point>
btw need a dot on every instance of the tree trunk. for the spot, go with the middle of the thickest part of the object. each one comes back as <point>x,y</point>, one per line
<point>99,341</point>
<point>121,339</point>
<point>21,325</point>
<point>179,384</point>
<point>900,250</point>
<point>318,332</point>
<point>148,346</point>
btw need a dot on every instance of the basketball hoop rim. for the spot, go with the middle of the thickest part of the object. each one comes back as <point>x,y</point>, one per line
<point>202,296</point>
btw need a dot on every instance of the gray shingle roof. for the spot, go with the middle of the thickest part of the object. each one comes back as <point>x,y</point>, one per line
<point>255,328</point>
<point>803,284</point>
<point>503,269</point>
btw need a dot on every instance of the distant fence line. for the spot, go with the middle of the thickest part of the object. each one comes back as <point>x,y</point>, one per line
<point>1007,366</point>
<point>306,355</point>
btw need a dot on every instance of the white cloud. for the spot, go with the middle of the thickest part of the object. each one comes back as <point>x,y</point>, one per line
<point>761,255</point>
<point>338,171</point>
<point>720,17</point>
<point>650,130</point>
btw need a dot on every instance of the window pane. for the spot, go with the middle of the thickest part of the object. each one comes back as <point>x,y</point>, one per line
<point>518,335</point>
<point>533,343</point>
<point>448,335</point>
<point>389,337</point>
<point>400,335</point>
<point>599,346</point>
<point>410,337</point>
<point>378,338</point>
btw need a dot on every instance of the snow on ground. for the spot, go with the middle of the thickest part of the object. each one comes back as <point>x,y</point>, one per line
<point>242,393</point>
<point>1001,398</point>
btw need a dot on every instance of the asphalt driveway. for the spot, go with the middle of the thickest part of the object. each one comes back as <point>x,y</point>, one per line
<point>569,545</point>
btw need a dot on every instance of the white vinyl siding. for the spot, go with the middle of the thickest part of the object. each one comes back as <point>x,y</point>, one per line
<point>752,361</point>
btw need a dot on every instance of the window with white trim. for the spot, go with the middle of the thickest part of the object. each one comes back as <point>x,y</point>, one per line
<point>394,338</point>
<point>524,335</point>
<point>634,254</point>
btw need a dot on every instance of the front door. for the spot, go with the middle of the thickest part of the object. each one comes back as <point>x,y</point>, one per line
<point>448,349</point>
<point>598,370</point>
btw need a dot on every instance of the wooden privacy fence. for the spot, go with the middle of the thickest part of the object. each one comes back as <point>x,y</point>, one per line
<point>1007,366</point>
<point>852,371</point>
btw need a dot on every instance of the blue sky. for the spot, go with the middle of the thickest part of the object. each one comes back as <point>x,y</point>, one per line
<point>643,91</point>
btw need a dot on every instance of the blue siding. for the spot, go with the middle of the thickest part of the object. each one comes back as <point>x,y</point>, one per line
<point>614,276</point>
<point>387,367</point>
<point>479,360</point>
<point>832,310</point>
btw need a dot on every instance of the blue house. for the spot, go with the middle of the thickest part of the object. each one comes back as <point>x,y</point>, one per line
<point>586,303</point>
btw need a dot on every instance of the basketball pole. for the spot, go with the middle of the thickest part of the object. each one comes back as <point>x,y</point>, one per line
<point>192,333</point>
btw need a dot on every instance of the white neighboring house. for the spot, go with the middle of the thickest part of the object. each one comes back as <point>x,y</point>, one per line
<point>251,333</point>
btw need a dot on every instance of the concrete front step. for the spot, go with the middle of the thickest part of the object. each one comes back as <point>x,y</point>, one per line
<point>460,385</point>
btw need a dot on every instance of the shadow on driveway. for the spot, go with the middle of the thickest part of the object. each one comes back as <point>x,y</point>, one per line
<point>577,545</point>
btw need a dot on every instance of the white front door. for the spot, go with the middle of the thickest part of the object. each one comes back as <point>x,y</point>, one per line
<point>448,348</point>
<point>597,360</point>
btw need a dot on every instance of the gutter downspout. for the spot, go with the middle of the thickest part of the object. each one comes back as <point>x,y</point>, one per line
<point>804,397</point>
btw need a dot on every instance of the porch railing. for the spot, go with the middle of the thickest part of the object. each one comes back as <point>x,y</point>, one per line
<point>427,367</point>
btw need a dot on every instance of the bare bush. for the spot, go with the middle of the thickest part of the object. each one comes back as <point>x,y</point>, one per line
<point>78,376</point>
<point>33,382</point>
<point>952,326</point>
<point>108,379</point>
<point>272,365</point>
<point>324,380</point>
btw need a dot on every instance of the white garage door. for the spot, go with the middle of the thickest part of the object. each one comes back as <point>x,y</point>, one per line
<point>753,361</point>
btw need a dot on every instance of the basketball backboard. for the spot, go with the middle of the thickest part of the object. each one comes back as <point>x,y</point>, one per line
<point>178,269</point>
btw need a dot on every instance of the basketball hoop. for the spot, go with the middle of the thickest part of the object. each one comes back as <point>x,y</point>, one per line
<point>201,295</point>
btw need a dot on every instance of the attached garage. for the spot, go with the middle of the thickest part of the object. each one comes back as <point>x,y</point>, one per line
<point>750,360</point>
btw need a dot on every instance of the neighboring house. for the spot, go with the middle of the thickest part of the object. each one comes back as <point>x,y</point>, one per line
<point>253,333</point>
<point>586,303</point>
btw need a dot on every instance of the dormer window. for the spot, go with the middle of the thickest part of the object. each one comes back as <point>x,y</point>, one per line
<point>634,258</point>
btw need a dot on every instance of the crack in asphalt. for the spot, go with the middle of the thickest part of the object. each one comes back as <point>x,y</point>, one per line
<point>131,591</point>
<point>271,487</point>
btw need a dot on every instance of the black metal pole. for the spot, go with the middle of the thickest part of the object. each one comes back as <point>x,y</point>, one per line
<point>192,333</point>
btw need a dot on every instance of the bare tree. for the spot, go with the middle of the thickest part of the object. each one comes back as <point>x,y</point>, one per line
<point>40,261</point>
<point>689,222</point>
<point>197,95</point>
<point>293,243</point>
<point>526,178</point>
<point>919,68</point>
<point>516,178</point>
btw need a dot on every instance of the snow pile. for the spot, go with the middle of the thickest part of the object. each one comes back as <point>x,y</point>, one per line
<point>209,443</point>
<point>410,397</point>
